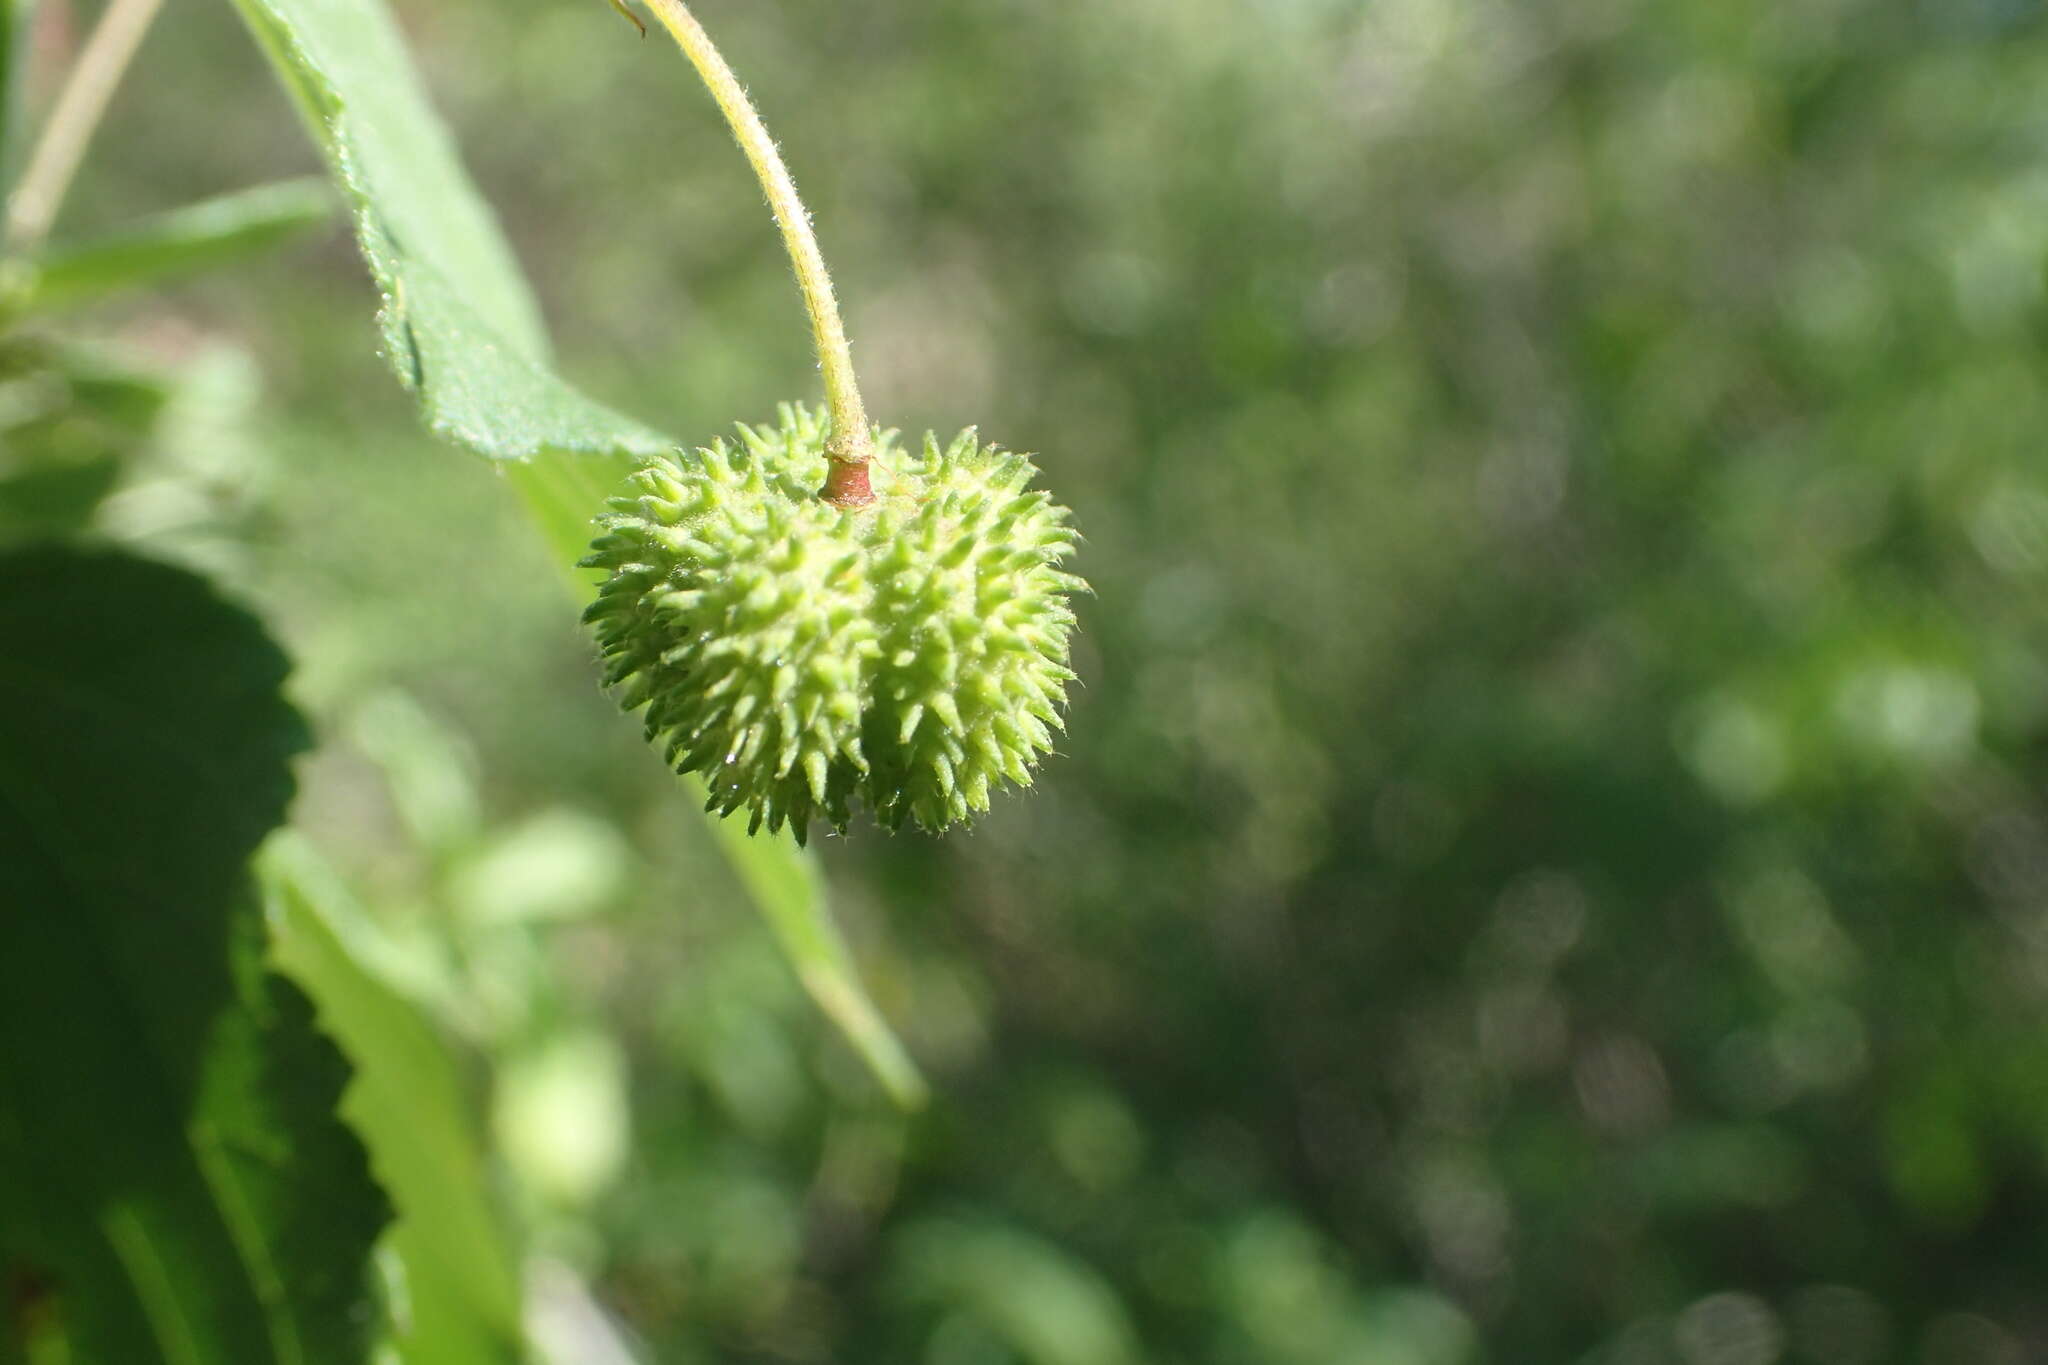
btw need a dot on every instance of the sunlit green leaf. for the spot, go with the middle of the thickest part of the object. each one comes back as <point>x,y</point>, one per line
<point>460,326</point>
<point>459,1303</point>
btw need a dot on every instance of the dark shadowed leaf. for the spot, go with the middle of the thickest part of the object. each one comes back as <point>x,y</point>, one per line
<point>171,1168</point>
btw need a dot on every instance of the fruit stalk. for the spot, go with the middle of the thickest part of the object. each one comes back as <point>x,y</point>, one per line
<point>851,443</point>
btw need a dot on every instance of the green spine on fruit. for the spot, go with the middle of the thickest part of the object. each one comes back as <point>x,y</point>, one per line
<point>909,654</point>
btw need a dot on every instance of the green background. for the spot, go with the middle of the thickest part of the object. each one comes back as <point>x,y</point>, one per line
<point>1549,862</point>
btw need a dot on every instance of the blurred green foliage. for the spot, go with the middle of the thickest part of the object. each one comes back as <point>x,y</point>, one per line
<point>1550,862</point>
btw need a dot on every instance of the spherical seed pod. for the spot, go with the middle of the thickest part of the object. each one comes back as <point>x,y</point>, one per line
<point>909,654</point>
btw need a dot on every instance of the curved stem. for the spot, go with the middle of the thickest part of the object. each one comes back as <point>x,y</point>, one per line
<point>852,441</point>
<point>33,206</point>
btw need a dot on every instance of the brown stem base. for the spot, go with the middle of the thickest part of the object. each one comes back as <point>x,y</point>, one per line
<point>846,484</point>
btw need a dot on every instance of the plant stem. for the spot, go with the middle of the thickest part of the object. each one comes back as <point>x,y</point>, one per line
<point>61,146</point>
<point>852,441</point>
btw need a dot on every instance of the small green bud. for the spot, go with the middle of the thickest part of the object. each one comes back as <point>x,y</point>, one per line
<point>908,653</point>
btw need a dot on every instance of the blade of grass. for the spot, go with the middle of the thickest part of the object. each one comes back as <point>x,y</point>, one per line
<point>32,206</point>
<point>212,232</point>
<point>785,885</point>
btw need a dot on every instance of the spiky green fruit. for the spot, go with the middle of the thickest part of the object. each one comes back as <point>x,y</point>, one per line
<point>910,654</point>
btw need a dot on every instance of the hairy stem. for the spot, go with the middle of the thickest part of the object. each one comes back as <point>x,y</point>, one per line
<point>32,208</point>
<point>852,442</point>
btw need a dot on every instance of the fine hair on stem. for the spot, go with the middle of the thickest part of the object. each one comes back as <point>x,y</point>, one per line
<point>851,443</point>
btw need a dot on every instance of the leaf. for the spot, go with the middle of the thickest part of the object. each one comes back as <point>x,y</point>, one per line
<point>462,331</point>
<point>410,1102</point>
<point>211,232</point>
<point>460,326</point>
<point>169,1158</point>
